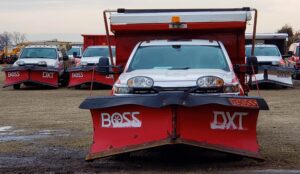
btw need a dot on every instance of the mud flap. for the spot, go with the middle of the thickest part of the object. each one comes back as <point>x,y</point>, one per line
<point>38,75</point>
<point>125,124</point>
<point>82,75</point>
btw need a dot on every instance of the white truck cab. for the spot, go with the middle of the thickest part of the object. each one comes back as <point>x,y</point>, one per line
<point>92,54</point>
<point>41,55</point>
<point>198,66</point>
<point>267,54</point>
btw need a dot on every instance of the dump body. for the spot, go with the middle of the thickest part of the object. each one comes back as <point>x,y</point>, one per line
<point>230,30</point>
<point>92,39</point>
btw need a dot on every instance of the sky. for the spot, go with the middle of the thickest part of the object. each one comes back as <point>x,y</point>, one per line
<point>68,19</point>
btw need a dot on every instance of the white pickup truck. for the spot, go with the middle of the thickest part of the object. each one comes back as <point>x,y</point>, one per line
<point>198,66</point>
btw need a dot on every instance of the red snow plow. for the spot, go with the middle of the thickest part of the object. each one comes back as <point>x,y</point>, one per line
<point>31,74</point>
<point>183,83</point>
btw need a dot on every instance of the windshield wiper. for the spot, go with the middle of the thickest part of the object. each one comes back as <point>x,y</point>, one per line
<point>179,68</point>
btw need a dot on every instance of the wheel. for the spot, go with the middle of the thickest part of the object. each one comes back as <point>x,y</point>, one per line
<point>17,86</point>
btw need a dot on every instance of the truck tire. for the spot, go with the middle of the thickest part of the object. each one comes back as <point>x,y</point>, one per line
<point>78,87</point>
<point>17,86</point>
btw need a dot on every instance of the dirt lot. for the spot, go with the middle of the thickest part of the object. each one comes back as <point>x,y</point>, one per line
<point>45,131</point>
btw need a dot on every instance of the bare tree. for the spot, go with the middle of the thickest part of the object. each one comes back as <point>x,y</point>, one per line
<point>18,37</point>
<point>5,39</point>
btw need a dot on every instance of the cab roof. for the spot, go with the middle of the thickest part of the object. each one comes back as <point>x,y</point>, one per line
<point>99,46</point>
<point>180,42</point>
<point>41,46</point>
<point>262,45</point>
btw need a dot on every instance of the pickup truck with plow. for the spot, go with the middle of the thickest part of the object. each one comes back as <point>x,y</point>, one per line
<point>37,65</point>
<point>183,82</point>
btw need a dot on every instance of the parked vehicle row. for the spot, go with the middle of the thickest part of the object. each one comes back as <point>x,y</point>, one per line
<point>48,66</point>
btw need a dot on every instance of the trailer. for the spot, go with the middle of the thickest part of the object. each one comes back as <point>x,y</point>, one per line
<point>183,82</point>
<point>270,49</point>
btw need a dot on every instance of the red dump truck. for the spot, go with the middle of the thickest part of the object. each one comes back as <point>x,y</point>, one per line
<point>183,82</point>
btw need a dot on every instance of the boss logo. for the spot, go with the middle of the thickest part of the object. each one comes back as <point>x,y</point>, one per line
<point>13,74</point>
<point>77,75</point>
<point>48,75</point>
<point>227,121</point>
<point>120,120</point>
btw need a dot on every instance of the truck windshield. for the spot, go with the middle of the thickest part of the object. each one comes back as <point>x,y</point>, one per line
<point>179,57</point>
<point>263,51</point>
<point>72,50</point>
<point>98,52</point>
<point>47,53</point>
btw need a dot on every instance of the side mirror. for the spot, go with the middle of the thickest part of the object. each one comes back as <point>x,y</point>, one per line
<point>103,65</point>
<point>252,65</point>
<point>75,55</point>
<point>290,53</point>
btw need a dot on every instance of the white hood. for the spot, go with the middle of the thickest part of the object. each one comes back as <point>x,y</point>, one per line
<point>268,58</point>
<point>176,78</point>
<point>50,62</point>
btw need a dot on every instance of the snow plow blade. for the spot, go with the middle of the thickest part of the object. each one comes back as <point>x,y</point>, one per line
<point>130,123</point>
<point>88,74</point>
<point>274,75</point>
<point>34,74</point>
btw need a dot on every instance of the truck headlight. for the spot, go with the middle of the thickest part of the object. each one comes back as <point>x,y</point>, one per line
<point>140,82</point>
<point>42,63</point>
<point>210,82</point>
<point>20,62</point>
<point>83,63</point>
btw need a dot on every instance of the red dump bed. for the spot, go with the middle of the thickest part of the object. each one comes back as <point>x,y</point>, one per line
<point>227,26</point>
<point>90,40</point>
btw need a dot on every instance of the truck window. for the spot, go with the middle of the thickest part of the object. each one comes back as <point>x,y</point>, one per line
<point>179,57</point>
<point>72,50</point>
<point>48,53</point>
<point>263,51</point>
<point>95,52</point>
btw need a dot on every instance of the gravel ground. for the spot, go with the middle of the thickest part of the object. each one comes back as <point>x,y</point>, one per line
<point>43,130</point>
